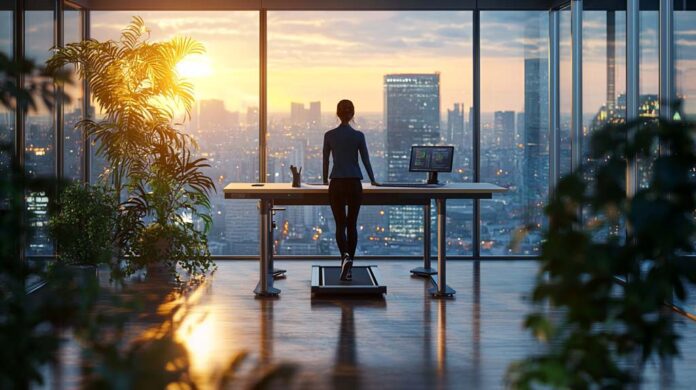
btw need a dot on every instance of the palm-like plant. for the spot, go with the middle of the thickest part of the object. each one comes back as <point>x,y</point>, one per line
<point>137,87</point>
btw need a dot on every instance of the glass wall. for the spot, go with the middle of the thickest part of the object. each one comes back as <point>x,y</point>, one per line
<point>514,127</point>
<point>225,119</point>
<point>7,116</point>
<point>40,125</point>
<point>386,62</point>
<point>566,88</point>
<point>409,75</point>
<point>73,145</point>
<point>685,49</point>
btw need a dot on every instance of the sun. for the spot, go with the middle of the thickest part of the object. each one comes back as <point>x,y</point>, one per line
<point>195,66</point>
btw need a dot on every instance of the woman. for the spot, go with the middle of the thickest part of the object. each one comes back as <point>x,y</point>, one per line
<point>345,190</point>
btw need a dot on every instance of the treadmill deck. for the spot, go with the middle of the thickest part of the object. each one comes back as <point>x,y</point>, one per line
<point>366,280</point>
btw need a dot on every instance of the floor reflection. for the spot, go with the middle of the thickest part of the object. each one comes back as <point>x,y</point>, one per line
<point>405,340</point>
<point>346,373</point>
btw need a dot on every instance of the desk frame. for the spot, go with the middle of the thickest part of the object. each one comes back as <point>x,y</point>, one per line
<point>267,201</point>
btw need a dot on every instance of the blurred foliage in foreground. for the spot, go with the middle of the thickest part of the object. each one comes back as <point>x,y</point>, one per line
<point>603,329</point>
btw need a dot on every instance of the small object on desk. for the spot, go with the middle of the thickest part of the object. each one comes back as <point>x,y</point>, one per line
<point>257,185</point>
<point>296,176</point>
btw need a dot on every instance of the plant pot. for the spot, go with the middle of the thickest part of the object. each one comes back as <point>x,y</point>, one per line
<point>159,270</point>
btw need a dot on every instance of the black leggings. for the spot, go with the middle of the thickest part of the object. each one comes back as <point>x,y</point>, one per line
<point>342,193</point>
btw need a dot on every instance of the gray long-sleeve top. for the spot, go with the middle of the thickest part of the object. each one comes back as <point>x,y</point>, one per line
<point>344,143</point>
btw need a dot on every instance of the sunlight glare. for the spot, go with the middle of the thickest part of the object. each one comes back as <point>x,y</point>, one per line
<point>195,66</point>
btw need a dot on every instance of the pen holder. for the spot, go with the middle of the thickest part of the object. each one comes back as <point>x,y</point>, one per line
<point>296,175</point>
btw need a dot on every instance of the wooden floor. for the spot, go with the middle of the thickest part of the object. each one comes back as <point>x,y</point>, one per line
<point>406,340</point>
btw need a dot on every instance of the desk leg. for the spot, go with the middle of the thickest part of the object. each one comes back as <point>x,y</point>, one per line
<point>277,273</point>
<point>265,286</point>
<point>441,290</point>
<point>425,270</point>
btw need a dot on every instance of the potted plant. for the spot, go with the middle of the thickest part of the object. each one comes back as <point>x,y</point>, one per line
<point>171,193</point>
<point>611,296</point>
<point>82,225</point>
<point>135,83</point>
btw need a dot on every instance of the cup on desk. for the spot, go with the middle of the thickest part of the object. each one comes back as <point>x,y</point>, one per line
<point>296,175</point>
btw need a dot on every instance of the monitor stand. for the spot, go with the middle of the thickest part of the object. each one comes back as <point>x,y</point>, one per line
<point>432,177</point>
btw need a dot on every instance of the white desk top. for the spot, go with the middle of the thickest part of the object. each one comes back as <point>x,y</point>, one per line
<point>286,188</point>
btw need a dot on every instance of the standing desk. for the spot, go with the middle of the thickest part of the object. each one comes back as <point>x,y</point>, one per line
<point>283,194</point>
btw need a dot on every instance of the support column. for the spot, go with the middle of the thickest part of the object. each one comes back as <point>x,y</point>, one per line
<point>576,134</point>
<point>263,98</point>
<point>554,100</point>
<point>86,106</point>
<point>666,66</point>
<point>476,130</point>
<point>632,85</point>
<point>58,41</point>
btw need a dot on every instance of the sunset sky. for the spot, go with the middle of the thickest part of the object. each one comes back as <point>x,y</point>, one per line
<point>328,56</point>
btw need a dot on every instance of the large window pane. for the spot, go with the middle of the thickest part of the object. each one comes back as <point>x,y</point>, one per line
<point>7,117</point>
<point>73,146</point>
<point>566,89</point>
<point>685,47</point>
<point>514,127</point>
<point>225,119</point>
<point>604,84</point>
<point>39,126</point>
<point>409,75</point>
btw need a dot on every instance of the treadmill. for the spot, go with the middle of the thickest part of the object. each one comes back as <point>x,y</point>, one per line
<point>367,280</point>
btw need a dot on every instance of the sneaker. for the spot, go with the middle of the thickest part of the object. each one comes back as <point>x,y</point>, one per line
<point>346,268</point>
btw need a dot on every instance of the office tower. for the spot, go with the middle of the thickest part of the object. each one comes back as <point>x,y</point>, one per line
<point>252,116</point>
<point>213,114</point>
<point>470,124</point>
<point>242,226</point>
<point>314,114</point>
<point>536,124</point>
<point>412,117</point>
<point>519,128</point>
<point>301,116</point>
<point>297,113</point>
<point>504,129</point>
<point>455,125</point>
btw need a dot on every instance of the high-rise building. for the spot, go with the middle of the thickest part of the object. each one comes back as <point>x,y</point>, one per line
<point>213,114</point>
<point>455,125</point>
<point>252,116</point>
<point>314,114</point>
<point>536,124</point>
<point>412,117</point>
<point>504,129</point>
<point>297,113</point>
<point>301,116</point>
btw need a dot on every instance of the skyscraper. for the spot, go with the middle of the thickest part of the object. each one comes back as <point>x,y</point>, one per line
<point>412,117</point>
<point>536,124</point>
<point>299,115</point>
<point>455,125</point>
<point>504,129</point>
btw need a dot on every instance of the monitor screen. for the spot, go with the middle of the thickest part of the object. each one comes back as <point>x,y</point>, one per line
<point>431,158</point>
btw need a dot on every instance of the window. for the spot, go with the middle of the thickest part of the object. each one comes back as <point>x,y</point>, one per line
<point>409,75</point>
<point>514,127</point>
<point>73,144</point>
<point>685,44</point>
<point>7,117</point>
<point>225,120</point>
<point>40,127</point>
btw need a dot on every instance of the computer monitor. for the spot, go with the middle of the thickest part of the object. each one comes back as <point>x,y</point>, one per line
<point>431,159</point>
